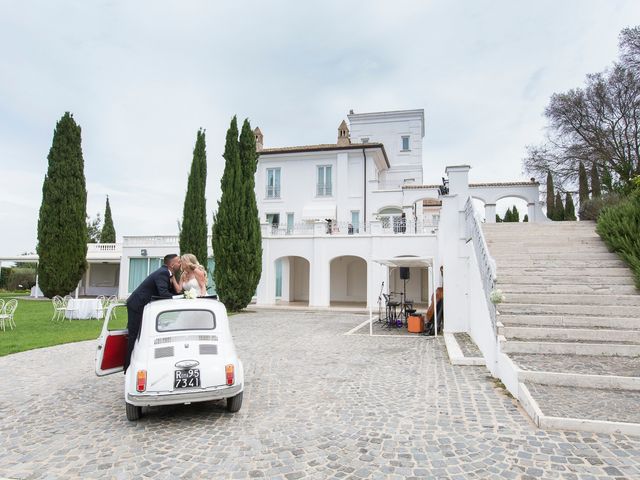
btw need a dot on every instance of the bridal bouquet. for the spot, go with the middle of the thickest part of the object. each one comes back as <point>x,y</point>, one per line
<point>191,294</point>
<point>496,296</point>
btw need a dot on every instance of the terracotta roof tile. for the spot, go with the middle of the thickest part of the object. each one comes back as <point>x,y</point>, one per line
<point>503,184</point>
<point>419,187</point>
<point>320,147</point>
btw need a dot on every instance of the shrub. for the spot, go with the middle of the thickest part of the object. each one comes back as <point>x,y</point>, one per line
<point>619,227</point>
<point>592,208</point>
<point>21,279</point>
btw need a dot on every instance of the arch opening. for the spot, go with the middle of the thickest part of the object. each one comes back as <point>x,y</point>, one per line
<point>348,281</point>
<point>292,280</point>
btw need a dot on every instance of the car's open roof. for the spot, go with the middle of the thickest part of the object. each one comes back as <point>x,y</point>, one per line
<point>204,303</point>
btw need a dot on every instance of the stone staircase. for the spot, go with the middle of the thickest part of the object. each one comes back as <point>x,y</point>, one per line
<point>570,324</point>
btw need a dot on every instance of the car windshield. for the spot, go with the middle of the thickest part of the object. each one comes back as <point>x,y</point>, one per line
<point>185,320</point>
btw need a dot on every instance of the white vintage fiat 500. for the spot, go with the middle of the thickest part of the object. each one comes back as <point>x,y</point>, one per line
<point>185,354</point>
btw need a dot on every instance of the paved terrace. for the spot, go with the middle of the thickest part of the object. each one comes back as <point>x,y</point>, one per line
<point>318,404</point>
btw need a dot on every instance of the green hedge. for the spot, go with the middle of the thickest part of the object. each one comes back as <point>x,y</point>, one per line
<point>619,227</point>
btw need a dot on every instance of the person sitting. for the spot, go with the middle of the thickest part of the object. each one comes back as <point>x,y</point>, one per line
<point>437,308</point>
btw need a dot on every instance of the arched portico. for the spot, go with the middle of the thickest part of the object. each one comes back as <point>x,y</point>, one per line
<point>491,193</point>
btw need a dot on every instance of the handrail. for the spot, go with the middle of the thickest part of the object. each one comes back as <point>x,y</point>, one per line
<point>486,263</point>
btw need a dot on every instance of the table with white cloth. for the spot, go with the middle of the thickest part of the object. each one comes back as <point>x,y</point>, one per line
<point>84,308</point>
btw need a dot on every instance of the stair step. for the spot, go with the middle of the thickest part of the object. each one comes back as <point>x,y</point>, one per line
<point>582,364</point>
<point>569,348</point>
<point>551,225</point>
<point>531,279</point>
<point>569,289</point>
<point>523,248</point>
<point>555,263</point>
<point>561,256</point>
<point>574,299</point>
<point>561,271</point>
<point>586,403</point>
<point>571,334</point>
<point>577,310</point>
<point>569,321</point>
<point>549,241</point>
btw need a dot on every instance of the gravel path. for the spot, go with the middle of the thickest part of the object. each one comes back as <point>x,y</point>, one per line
<point>318,404</point>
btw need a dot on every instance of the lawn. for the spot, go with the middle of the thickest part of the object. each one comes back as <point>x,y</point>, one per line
<point>34,328</point>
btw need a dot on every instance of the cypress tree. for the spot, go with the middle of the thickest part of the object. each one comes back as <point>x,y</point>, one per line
<point>569,208</point>
<point>108,233</point>
<point>526,218</point>
<point>583,184</point>
<point>193,230</point>
<point>558,208</point>
<point>251,221</point>
<point>550,197</point>
<point>498,219</point>
<point>515,215</point>
<point>508,217</point>
<point>596,190</point>
<point>62,228</point>
<point>607,181</point>
<point>230,230</point>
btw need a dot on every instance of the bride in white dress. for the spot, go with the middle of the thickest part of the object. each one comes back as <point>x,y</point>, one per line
<point>193,277</point>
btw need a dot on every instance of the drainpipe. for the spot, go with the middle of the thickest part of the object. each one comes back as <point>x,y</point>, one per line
<point>364,213</point>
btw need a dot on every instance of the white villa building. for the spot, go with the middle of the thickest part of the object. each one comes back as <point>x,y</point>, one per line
<point>342,222</point>
<point>334,216</point>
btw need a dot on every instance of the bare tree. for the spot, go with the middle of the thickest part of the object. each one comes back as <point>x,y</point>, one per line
<point>598,124</point>
<point>630,48</point>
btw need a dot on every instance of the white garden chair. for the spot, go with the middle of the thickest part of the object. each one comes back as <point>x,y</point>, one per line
<point>104,304</point>
<point>67,309</point>
<point>6,314</point>
<point>110,301</point>
<point>1,303</point>
<point>59,308</point>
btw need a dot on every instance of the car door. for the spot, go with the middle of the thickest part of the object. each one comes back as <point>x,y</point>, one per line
<point>112,344</point>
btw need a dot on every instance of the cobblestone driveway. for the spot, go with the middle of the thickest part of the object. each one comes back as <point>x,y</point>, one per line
<point>318,404</point>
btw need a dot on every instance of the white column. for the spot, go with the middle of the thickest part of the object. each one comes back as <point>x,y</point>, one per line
<point>531,212</point>
<point>452,246</point>
<point>319,288</point>
<point>490,212</point>
<point>287,265</point>
<point>266,286</point>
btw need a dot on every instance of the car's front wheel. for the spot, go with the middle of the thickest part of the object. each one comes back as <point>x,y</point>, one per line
<point>234,403</point>
<point>133,413</point>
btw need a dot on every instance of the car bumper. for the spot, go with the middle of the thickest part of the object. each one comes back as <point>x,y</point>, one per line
<point>173,398</point>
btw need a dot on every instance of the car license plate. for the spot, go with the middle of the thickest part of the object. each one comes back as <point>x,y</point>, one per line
<point>187,378</point>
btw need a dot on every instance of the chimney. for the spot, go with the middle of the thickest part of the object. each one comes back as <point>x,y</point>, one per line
<point>259,139</point>
<point>343,134</point>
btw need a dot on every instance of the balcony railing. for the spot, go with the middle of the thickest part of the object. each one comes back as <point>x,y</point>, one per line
<point>103,247</point>
<point>273,191</point>
<point>347,229</point>
<point>295,229</point>
<point>146,241</point>
<point>323,190</point>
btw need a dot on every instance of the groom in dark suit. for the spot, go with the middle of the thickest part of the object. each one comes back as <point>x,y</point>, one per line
<point>157,284</point>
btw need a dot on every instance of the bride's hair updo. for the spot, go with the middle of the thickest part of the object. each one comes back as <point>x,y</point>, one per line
<point>190,263</point>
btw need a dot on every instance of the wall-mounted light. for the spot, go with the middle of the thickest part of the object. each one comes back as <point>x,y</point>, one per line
<point>143,252</point>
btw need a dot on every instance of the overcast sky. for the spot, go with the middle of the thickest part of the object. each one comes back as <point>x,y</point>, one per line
<point>141,77</point>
